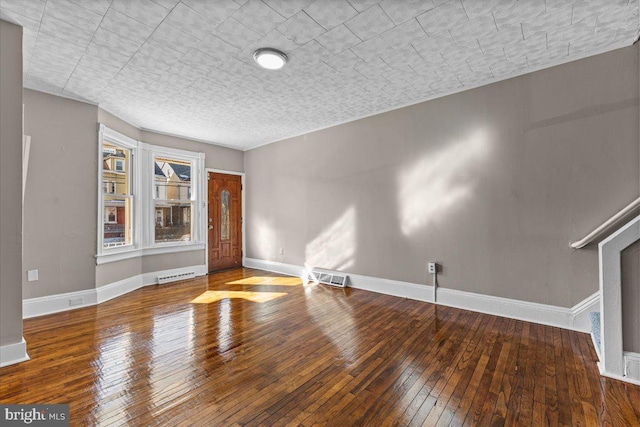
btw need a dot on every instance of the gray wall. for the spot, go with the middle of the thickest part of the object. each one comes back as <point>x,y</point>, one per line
<point>10,183</point>
<point>631,297</point>
<point>216,157</point>
<point>119,125</point>
<point>493,183</point>
<point>631,286</point>
<point>60,199</point>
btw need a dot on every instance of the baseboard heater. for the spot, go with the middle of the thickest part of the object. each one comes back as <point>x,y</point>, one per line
<point>175,277</point>
<point>330,278</point>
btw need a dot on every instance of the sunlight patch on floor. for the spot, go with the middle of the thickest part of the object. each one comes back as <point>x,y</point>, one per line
<point>213,296</point>
<point>271,281</point>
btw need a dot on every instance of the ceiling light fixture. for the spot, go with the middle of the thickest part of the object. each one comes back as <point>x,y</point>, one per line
<point>271,59</point>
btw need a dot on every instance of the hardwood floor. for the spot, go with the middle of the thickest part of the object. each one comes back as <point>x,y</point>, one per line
<point>314,356</point>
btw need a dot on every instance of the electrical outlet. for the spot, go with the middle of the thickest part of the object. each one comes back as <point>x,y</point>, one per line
<point>281,251</point>
<point>32,275</point>
<point>432,267</point>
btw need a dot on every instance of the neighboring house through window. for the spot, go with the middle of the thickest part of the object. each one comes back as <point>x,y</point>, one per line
<point>176,204</point>
<point>111,214</point>
<point>117,200</point>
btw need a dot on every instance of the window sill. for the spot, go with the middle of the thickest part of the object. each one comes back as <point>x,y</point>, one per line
<point>136,253</point>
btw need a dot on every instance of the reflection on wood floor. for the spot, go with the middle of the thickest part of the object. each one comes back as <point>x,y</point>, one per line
<point>315,356</point>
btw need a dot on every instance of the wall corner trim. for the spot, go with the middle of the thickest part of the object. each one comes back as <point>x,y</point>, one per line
<point>632,367</point>
<point>609,257</point>
<point>575,318</point>
<point>580,312</point>
<point>11,354</point>
<point>34,307</point>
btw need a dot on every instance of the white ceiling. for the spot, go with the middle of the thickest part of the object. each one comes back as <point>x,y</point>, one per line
<point>186,67</point>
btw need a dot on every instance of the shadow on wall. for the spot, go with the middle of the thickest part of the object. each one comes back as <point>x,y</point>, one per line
<point>437,183</point>
<point>335,247</point>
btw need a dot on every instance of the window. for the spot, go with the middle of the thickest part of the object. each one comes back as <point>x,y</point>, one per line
<point>150,199</point>
<point>176,202</point>
<point>117,200</point>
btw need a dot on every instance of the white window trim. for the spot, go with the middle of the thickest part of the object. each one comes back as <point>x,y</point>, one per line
<point>198,213</point>
<point>143,188</point>
<point>136,253</point>
<point>116,138</point>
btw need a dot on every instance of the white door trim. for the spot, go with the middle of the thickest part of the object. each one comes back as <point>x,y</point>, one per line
<point>612,362</point>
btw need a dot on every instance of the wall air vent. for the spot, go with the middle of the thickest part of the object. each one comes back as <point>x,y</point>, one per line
<point>329,278</point>
<point>175,277</point>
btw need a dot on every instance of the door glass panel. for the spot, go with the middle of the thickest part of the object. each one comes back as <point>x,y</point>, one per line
<point>224,215</point>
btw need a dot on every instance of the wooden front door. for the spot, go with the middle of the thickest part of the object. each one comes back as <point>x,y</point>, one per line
<point>224,221</point>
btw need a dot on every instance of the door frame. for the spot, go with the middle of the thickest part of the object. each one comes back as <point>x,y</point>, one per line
<point>206,216</point>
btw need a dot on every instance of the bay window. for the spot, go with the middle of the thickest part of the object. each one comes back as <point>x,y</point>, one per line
<point>150,198</point>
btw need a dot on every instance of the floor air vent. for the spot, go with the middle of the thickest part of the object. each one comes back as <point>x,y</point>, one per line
<point>329,278</point>
<point>174,277</point>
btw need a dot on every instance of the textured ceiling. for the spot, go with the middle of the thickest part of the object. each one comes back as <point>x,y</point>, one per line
<point>186,67</point>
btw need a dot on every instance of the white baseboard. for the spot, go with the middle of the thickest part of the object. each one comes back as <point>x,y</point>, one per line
<point>276,267</point>
<point>115,289</point>
<point>581,311</point>
<point>34,307</point>
<point>515,309</point>
<point>392,287</point>
<point>11,354</point>
<point>632,367</point>
<point>551,315</point>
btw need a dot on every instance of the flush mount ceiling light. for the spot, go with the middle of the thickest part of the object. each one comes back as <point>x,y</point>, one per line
<point>271,59</point>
